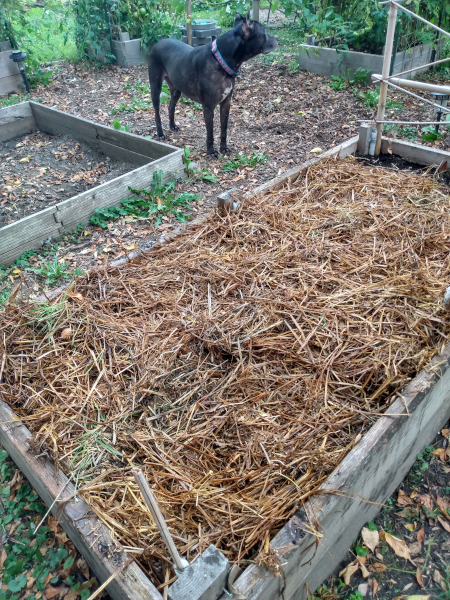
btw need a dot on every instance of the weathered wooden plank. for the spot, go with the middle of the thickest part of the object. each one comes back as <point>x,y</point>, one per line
<point>422,155</point>
<point>41,224</point>
<point>16,120</point>
<point>78,209</point>
<point>55,122</point>
<point>345,149</point>
<point>119,153</point>
<point>88,533</point>
<point>9,256</point>
<point>371,471</point>
<point>13,84</point>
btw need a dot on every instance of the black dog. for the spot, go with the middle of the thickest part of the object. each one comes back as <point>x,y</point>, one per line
<point>206,74</point>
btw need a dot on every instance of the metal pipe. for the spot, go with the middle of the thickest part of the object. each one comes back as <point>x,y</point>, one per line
<point>386,69</point>
<point>419,97</point>
<point>415,85</point>
<point>404,122</point>
<point>189,21</point>
<point>391,2</point>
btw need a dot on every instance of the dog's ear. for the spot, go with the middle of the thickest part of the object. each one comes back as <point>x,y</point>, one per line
<point>238,18</point>
<point>247,26</point>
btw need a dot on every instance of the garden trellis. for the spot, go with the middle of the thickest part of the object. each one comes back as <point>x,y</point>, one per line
<point>388,80</point>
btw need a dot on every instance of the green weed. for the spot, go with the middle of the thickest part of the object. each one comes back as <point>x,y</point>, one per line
<point>154,203</point>
<point>54,271</point>
<point>137,104</point>
<point>244,160</point>
<point>117,125</point>
<point>408,132</point>
<point>206,175</point>
<point>13,99</point>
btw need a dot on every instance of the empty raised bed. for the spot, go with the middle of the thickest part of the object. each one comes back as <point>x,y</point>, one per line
<point>237,365</point>
<point>143,156</point>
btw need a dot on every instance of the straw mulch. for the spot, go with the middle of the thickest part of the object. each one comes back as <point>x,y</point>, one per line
<point>237,363</point>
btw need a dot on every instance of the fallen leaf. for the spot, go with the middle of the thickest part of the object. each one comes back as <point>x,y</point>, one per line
<point>77,296</point>
<point>377,568</point>
<point>439,579</point>
<point>407,587</point>
<point>71,596</point>
<point>398,546</point>
<point>83,568</point>
<point>443,506</point>
<point>316,150</point>
<point>445,432</point>
<point>66,333</point>
<point>26,159</point>
<point>30,582</point>
<point>418,597</point>
<point>419,577</point>
<point>349,571</point>
<point>374,586</point>
<point>442,453</point>
<point>403,499</point>
<point>364,572</point>
<point>421,534</point>
<point>390,149</point>
<point>52,592</point>
<point>3,557</point>
<point>410,526</point>
<point>444,524</point>
<point>370,538</point>
<point>425,500</point>
<point>415,548</point>
<point>443,167</point>
<point>363,589</point>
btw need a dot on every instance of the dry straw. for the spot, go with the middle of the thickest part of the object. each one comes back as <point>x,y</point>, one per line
<point>236,364</point>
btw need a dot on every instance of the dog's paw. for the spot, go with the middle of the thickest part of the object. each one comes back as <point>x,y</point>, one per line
<point>225,151</point>
<point>212,155</point>
<point>174,128</point>
<point>160,137</point>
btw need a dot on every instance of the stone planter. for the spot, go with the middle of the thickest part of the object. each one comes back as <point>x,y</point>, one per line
<point>128,52</point>
<point>328,61</point>
<point>203,32</point>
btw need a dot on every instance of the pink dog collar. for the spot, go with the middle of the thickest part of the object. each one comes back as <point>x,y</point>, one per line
<point>220,60</point>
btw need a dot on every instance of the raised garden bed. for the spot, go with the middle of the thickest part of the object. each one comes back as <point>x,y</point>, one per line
<point>371,470</point>
<point>147,156</point>
<point>328,61</point>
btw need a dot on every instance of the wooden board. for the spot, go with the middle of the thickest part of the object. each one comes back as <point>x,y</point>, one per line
<point>40,225</point>
<point>56,121</point>
<point>371,471</point>
<point>89,535</point>
<point>416,153</point>
<point>16,120</point>
<point>119,153</point>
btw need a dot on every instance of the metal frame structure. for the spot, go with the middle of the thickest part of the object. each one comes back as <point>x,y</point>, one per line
<point>386,80</point>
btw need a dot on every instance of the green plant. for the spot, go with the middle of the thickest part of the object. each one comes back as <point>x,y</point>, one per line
<point>14,99</point>
<point>153,204</point>
<point>187,161</point>
<point>403,130</point>
<point>430,134</point>
<point>293,67</point>
<point>55,270</point>
<point>117,125</point>
<point>244,160</point>
<point>206,175</point>
<point>356,596</point>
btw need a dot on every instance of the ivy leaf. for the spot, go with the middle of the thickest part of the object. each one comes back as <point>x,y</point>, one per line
<point>84,594</point>
<point>69,562</point>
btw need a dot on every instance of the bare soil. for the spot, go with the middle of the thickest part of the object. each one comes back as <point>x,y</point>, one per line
<point>39,170</point>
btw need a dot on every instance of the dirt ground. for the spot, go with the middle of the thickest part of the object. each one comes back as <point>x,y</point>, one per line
<point>416,564</point>
<point>39,170</point>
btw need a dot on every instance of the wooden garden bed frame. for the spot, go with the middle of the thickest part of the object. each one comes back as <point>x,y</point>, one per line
<point>148,156</point>
<point>352,495</point>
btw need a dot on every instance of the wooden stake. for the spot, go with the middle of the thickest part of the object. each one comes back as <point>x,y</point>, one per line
<point>188,21</point>
<point>153,507</point>
<point>385,73</point>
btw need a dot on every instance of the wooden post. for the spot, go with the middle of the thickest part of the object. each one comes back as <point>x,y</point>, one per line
<point>385,73</point>
<point>255,10</point>
<point>189,21</point>
<point>153,507</point>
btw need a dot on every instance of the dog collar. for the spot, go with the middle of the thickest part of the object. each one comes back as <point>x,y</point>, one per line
<point>220,60</point>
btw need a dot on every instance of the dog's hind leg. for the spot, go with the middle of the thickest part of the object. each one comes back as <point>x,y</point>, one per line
<point>174,97</point>
<point>224,113</point>
<point>156,76</point>
<point>208,114</point>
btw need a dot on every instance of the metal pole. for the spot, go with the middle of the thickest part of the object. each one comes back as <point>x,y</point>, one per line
<point>405,91</point>
<point>189,21</point>
<point>414,85</point>
<point>385,73</point>
<point>153,507</point>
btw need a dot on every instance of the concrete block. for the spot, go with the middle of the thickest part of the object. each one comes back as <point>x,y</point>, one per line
<point>128,52</point>
<point>205,579</point>
<point>365,131</point>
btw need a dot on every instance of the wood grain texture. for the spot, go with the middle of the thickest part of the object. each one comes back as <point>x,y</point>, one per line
<point>423,155</point>
<point>13,84</point>
<point>371,471</point>
<point>89,535</point>
<point>16,120</point>
<point>118,153</point>
<point>40,225</point>
<point>56,122</point>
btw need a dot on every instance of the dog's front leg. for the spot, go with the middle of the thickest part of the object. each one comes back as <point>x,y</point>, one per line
<point>208,114</point>
<point>224,113</point>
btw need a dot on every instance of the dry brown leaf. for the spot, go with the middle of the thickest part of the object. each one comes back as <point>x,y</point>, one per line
<point>71,596</point>
<point>66,333</point>
<point>30,582</point>
<point>403,499</point>
<point>425,500</point>
<point>377,568</point>
<point>374,586</point>
<point>77,296</point>
<point>390,149</point>
<point>364,572</point>
<point>418,597</point>
<point>442,453</point>
<point>443,506</point>
<point>419,577</point>
<point>415,548</point>
<point>444,524</point>
<point>3,557</point>
<point>83,568</point>
<point>445,432</point>
<point>421,534</point>
<point>398,546</point>
<point>410,526</point>
<point>370,538</point>
<point>349,571</point>
<point>439,579</point>
<point>52,592</point>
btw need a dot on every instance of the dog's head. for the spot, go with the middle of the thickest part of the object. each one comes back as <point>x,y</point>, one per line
<point>254,36</point>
